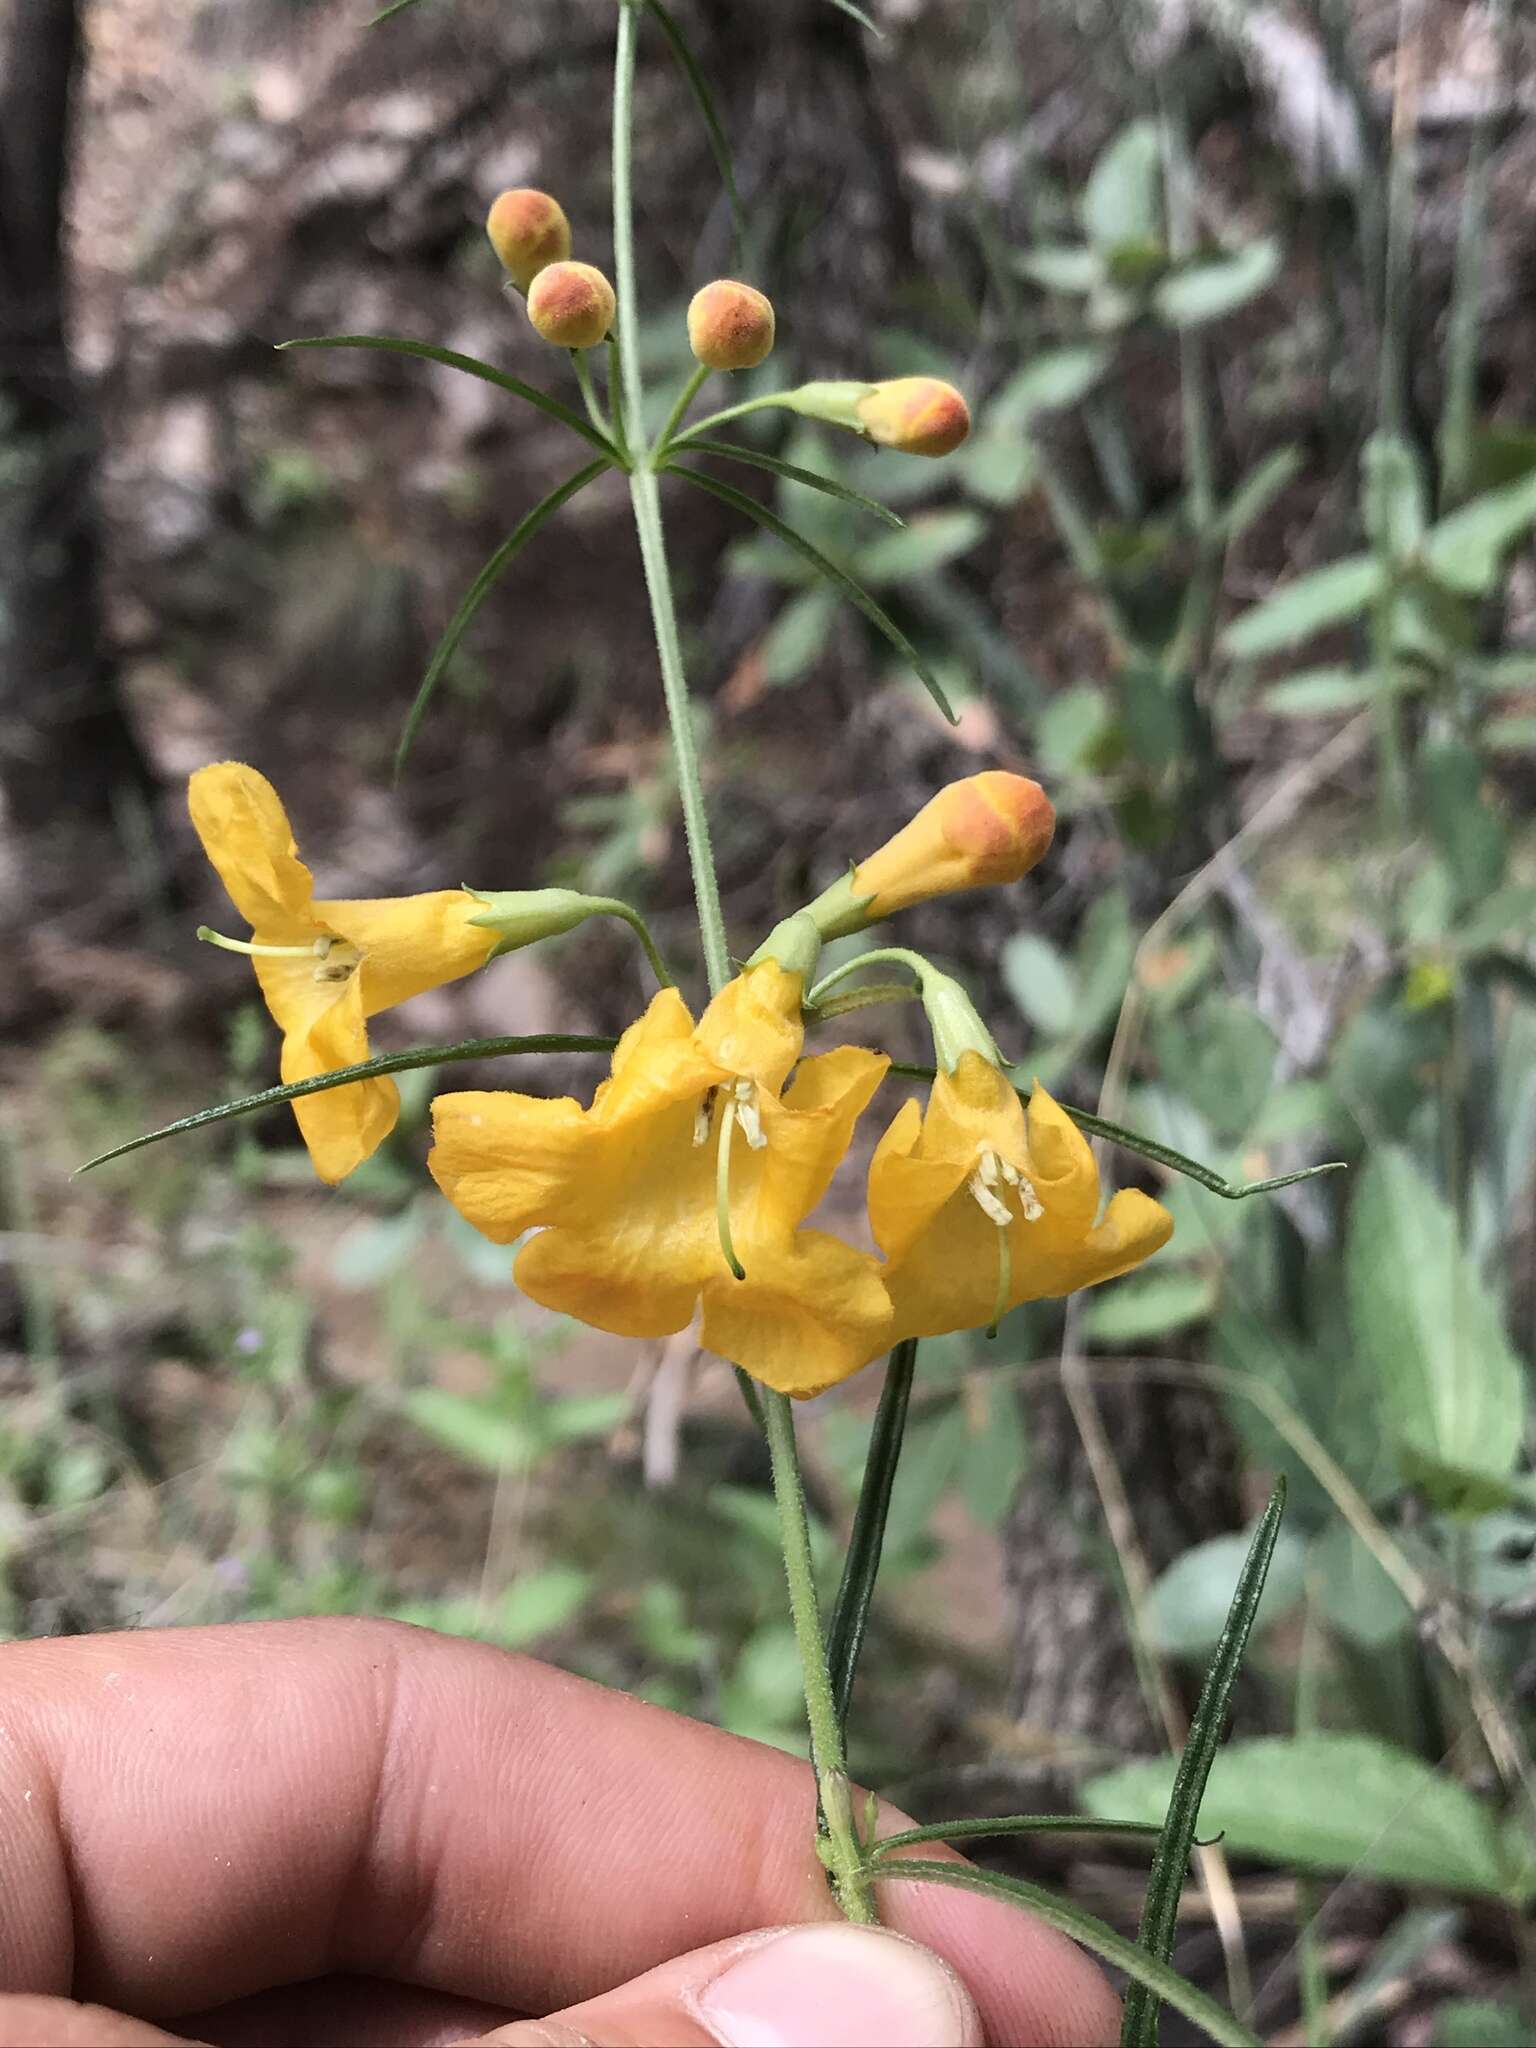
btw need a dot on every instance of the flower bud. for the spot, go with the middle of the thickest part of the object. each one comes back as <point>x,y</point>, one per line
<point>988,829</point>
<point>529,231</point>
<point>730,326</point>
<point>916,415</point>
<point>572,305</point>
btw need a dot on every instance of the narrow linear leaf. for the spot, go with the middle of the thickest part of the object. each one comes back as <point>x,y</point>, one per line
<point>855,593</point>
<point>857,14</point>
<point>1165,1881</point>
<point>698,85</point>
<point>428,352</point>
<point>478,592</point>
<point>1083,1927</point>
<point>850,1614</point>
<point>792,473</point>
<point>365,1070</point>
<point>1010,1824</point>
<point>388,13</point>
<point>1162,1155</point>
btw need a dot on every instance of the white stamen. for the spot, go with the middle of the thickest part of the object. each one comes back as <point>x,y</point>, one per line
<point>749,1116</point>
<point>991,1205</point>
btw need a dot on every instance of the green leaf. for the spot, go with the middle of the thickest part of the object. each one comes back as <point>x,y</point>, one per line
<point>1122,201</point>
<point>1210,289</point>
<point>1189,1602</point>
<point>1083,1927</point>
<point>1147,1306</point>
<point>489,576</point>
<point>929,544</point>
<point>698,85</point>
<point>1041,982</point>
<point>792,473</point>
<point>1393,498</point>
<point>427,352</point>
<point>388,13</point>
<point>986,1829</point>
<point>1069,268</point>
<point>1480,2023</point>
<point>1320,693</point>
<point>472,1429</point>
<point>1467,549</point>
<point>861,1567</point>
<point>1297,610</point>
<point>798,635</point>
<point>1165,1881</point>
<point>1357,1597</point>
<point>540,1604</point>
<point>1468,832</point>
<point>1430,1330</point>
<point>857,14</point>
<point>1259,490</point>
<point>1048,383</point>
<point>1329,1802</point>
<point>365,1070</point>
<point>855,593</point>
<point>995,1453</point>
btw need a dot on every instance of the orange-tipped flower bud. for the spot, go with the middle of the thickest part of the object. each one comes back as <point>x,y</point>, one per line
<point>988,829</point>
<point>917,415</point>
<point>572,305</point>
<point>730,326</point>
<point>529,231</point>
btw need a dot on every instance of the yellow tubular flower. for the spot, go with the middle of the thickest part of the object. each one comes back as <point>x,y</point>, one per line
<point>335,964</point>
<point>625,1197</point>
<point>977,1210</point>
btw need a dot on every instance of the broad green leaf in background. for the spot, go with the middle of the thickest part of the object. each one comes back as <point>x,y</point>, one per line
<point>1319,693</point>
<point>1147,1306</point>
<point>1480,2023</point>
<point>540,1603</point>
<point>1430,1331</point>
<point>1468,833</point>
<point>798,635</point>
<point>1392,496</point>
<point>1328,1802</point>
<point>1208,290</point>
<point>1326,597</point>
<point>1467,549</point>
<point>931,542</point>
<point>1049,382</point>
<point>1189,1603</point>
<point>471,1429</point>
<point>1122,201</point>
<point>1066,267</point>
<point>1357,1597</point>
<point>1259,490</point>
<point>1041,982</point>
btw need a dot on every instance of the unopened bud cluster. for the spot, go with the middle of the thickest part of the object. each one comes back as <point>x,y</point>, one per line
<point>570,304</point>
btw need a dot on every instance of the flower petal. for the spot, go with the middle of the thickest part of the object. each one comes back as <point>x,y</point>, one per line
<point>507,1162</point>
<point>341,1126</point>
<point>245,832</point>
<point>808,1136</point>
<point>409,943</point>
<point>972,1109</point>
<point>658,1062</point>
<point>907,1191</point>
<point>754,1027</point>
<point>1134,1227</point>
<point>1060,1162</point>
<point>809,1313</point>
<point>586,1275</point>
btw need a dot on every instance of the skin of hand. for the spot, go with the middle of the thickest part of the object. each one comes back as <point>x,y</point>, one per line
<point>354,1833</point>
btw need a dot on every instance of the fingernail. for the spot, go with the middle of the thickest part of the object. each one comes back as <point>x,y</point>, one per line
<point>838,1987</point>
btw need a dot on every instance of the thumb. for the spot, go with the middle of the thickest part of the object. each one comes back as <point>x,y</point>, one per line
<point>829,1985</point>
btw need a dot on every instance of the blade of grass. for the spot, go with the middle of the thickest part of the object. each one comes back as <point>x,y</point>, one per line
<point>1162,1155</point>
<point>428,352</point>
<point>698,85</point>
<point>850,1613</point>
<point>1165,1882</point>
<point>1010,1824</point>
<point>1082,1927</point>
<point>478,592</point>
<point>855,593</point>
<point>857,14</point>
<point>792,473</point>
<point>365,1070</point>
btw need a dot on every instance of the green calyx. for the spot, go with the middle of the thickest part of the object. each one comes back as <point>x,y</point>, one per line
<point>840,911</point>
<point>521,917</point>
<point>794,943</point>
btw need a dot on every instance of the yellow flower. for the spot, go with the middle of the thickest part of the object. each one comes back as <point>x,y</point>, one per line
<point>332,965</point>
<point>916,415</point>
<point>627,1197</point>
<point>977,1211</point>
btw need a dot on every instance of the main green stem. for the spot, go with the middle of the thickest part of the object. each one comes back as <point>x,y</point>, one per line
<point>845,1858</point>
<point>844,1855</point>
